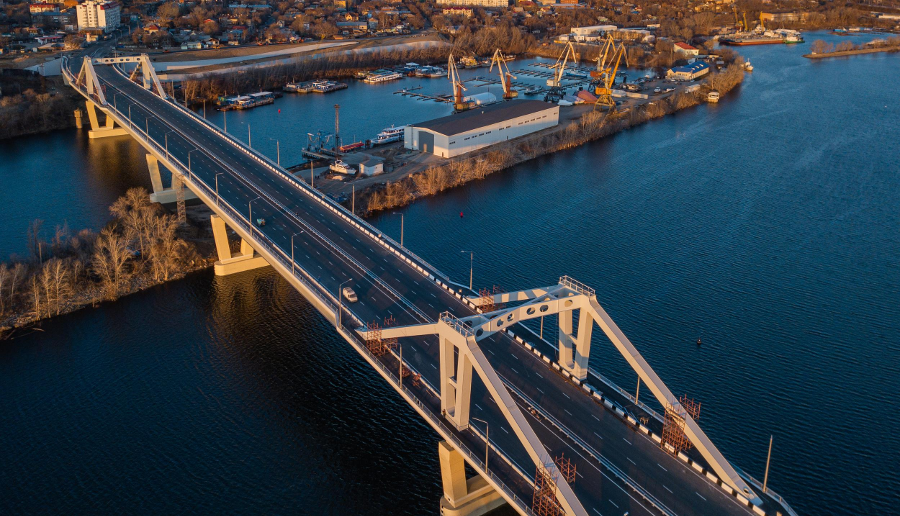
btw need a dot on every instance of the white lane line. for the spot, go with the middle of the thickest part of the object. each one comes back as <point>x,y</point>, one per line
<point>598,435</point>
<point>478,406</point>
<point>491,352</point>
<point>432,365</point>
<point>542,391</point>
<point>569,413</point>
<point>660,465</point>
<point>539,374</point>
<point>514,357</point>
<point>631,461</point>
<point>505,430</point>
<point>595,417</point>
<point>598,512</point>
<point>667,489</point>
<point>614,503</point>
<point>700,495</point>
<point>626,440</point>
<point>513,370</point>
<point>566,395</point>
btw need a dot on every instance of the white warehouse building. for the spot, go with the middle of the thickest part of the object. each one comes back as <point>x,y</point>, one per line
<point>477,128</point>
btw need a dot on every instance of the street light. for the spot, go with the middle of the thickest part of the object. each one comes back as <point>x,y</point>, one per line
<point>471,263</point>
<point>249,143</point>
<point>277,150</point>
<point>130,121</point>
<point>189,159</point>
<point>487,440</point>
<point>217,186</point>
<point>250,210</point>
<point>167,142</point>
<point>340,303</point>
<point>292,250</point>
<point>401,227</point>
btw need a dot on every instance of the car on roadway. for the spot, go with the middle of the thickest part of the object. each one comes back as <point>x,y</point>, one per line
<point>657,90</point>
<point>260,222</point>
<point>349,295</point>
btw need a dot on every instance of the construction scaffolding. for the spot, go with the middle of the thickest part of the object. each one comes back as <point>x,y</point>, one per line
<point>673,436</point>
<point>178,185</point>
<point>566,468</point>
<point>487,299</point>
<point>544,502</point>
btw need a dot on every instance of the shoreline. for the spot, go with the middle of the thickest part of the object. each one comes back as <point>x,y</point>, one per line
<point>845,53</point>
<point>589,126</point>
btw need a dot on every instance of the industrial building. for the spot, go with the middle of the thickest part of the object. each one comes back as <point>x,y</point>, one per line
<point>477,128</point>
<point>688,72</point>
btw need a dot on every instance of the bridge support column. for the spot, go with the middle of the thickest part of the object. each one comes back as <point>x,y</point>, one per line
<point>462,496</point>
<point>232,264</point>
<point>160,194</point>
<point>575,348</point>
<point>456,381</point>
<point>98,131</point>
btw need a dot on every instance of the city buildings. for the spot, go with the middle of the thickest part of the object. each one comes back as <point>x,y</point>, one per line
<point>475,3</point>
<point>98,16</point>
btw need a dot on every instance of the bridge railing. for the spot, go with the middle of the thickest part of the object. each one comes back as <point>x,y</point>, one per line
<point>307,189</point>
<point>315,288</point>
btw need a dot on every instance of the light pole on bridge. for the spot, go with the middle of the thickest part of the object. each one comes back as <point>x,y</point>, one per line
<point>167,142</point>
<point>250,214</point>
<point>277,149</point>
<point>293,271</point>
<point>217,186</point>
<point>401,227</point>
<point>340,303</point>
<point>487,440</point>
<point>189,160</point>
<point>471,264</point>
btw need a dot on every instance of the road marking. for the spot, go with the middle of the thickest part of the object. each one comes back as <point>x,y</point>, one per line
<point>595,417</point>
<point>631,461</point>
<point>432,365</point>
<point>614,503</point>
<point>598,512</point>
<point>539,374</point>
<point>660,465</point>
<point>505,430</point>
<point>491,352</point>
<point>626,440</point>
<point>700,495</point>
<point>542,391</point>
<point>513,370</point>
<point>478,406</point>
<point>566,395</point>
<point>667,489</point>
<point>569,413</point>
<point>514,357</point>
<point>579,474</point>
<point>598,435</point>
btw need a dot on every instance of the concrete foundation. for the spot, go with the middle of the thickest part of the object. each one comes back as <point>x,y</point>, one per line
<point>462,496</point>
<point>160,194</point>
<point>98,131</point>
<point>232,264</point>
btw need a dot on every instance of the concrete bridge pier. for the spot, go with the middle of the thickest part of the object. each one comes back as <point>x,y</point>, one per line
<point>104,131</point>
<point>462,496</point>
<point>228,263</point>
<point>160,194</point>
<point>575,344</point>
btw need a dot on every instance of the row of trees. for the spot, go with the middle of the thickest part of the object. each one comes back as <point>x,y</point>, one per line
<point>35,104</point>
<point>591,126</point>
<point>138,247</point>
<point>821,47</point>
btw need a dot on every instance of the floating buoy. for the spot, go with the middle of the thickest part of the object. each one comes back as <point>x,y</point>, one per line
<point>699,342</point>
<point>460,214</point>
<point>279,111</point>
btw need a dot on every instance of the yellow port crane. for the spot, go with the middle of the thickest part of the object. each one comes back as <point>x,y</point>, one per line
<point>603,58</point>
<point>459,103</point>
<point>505,76</point>
<point>608,77</point>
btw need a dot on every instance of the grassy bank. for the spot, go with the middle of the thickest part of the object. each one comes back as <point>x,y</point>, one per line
<point>820,49</point>
<point>142,246</point>
<point>591,126</point>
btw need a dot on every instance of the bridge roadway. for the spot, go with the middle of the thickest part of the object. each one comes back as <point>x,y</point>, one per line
<point>625,471</point>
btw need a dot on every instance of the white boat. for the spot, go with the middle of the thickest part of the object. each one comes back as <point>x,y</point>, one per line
<point>712,97</point>
<point>341,168</point>
<point>389,135</point>
<point>376,78</point>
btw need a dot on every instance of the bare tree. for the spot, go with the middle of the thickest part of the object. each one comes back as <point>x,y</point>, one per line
<point>4,280</point>
<point>17,274</point>
<point>110,261</point>
<point>35,243</point>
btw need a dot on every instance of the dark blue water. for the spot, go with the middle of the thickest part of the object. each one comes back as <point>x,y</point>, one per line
<point>767,224</point>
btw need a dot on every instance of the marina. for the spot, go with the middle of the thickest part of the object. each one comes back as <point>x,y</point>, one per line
<point>322,86</point>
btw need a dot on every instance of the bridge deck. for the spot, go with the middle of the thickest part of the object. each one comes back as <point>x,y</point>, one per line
<point>619,469</point>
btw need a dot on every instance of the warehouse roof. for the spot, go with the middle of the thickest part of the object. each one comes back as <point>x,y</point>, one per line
<point>483,115</point>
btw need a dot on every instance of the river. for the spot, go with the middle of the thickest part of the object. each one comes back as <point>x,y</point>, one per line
<point>766,224</point>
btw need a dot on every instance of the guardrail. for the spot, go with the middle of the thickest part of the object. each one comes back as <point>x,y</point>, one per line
<point>323,295</point>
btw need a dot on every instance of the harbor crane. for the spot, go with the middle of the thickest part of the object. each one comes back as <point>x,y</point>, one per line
<point>459,102</point>
<point>505,75</point>
<point>608,76</point>
<point>557,92</point>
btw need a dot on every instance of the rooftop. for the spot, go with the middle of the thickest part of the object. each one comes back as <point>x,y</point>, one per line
<point>482,116</point>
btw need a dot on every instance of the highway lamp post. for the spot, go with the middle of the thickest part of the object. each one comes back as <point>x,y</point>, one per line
<point>147,132</point>
<point>769,458</point>
<point>250,213</point>
<point>637,391</point>
<point>471,265</point>
<point>167,142</point>
<point>249,142</point>
<point>217,186</point>
<point>400,372</point>
<point>340,304</point>
<point>401,227</point>
<point>225,120</point>
<point>189,160</point>
<point>293,269</point>
<point>130,122</point>
<point>277,151</point>
<point>487,440</point>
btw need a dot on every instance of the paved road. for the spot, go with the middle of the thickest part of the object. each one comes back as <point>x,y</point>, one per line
<point>334,252</point>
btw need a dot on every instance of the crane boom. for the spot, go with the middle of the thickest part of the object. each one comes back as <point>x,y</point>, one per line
<point>506,76</point>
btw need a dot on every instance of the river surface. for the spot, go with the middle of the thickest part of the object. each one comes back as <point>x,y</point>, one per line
<point>766,224</point>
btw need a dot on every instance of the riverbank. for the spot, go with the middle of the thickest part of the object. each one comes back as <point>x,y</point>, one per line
<point>34,104</point>
<point>143,246</point>
<point>589,126</point>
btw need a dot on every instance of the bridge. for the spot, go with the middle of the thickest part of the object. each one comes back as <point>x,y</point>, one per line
<point>542,430</point>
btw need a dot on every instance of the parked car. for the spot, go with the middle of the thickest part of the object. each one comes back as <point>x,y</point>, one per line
<point>349,295</point>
